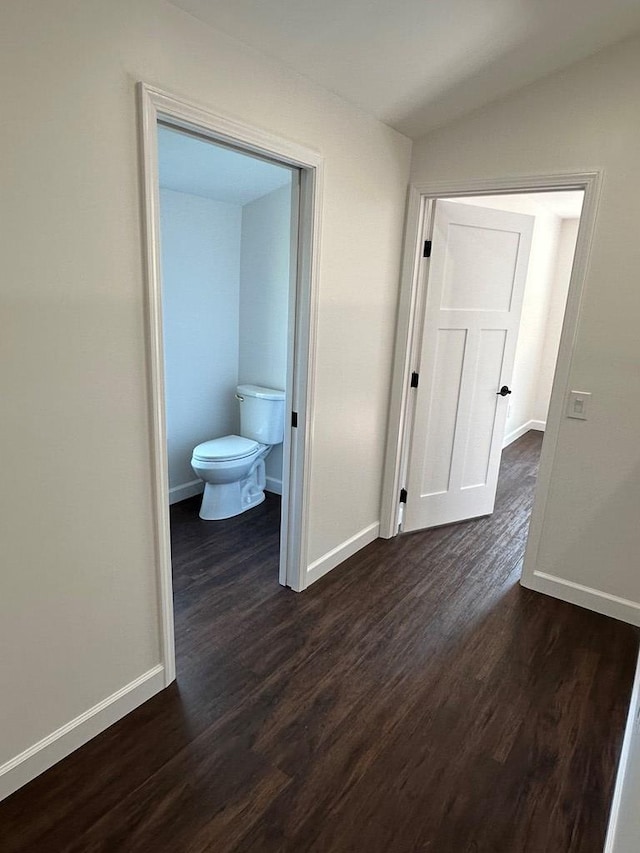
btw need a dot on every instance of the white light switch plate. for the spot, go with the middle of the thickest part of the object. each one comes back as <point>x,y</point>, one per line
<point>578,404</point>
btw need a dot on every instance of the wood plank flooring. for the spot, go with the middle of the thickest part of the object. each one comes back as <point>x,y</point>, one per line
<point>416,699</point>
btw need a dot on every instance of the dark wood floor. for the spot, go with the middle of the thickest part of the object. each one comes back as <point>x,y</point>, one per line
<point>416,699</point>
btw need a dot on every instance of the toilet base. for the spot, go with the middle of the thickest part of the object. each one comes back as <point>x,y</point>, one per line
<point>225,500</point>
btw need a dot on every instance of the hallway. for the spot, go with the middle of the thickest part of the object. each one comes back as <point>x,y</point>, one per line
<point>416,699</point>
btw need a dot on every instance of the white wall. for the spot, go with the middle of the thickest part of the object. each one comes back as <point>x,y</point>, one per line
<point>580,119</point>
<point>623,831</point>
<point>264,301</point>
<point>200,292</point>
<point>555,315</point>
<point>78,608</point>
<point>535,311</point>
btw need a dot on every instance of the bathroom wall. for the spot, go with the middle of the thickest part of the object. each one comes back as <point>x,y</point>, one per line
<point>264,295</point>
<point>201,274</point>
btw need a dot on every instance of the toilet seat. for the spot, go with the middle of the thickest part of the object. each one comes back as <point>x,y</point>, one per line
<point>225,449</point>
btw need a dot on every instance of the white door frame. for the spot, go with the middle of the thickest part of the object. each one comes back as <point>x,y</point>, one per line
<point>156,105</point>
<point>421,203</point>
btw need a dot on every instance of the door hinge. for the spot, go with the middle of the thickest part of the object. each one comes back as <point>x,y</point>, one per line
<point>294,419</point>
<point>426,251</point>
<point>414,379</point>
<point>403,496</point>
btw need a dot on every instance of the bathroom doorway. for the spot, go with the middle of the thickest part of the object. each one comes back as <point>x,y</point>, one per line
<point>231,216</point>
<point>228,248</point>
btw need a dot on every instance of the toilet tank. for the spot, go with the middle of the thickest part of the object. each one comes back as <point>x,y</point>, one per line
<point>261,413</point>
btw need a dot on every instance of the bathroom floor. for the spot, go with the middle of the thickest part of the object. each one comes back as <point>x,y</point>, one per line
<point>415,699</point>
<point>227,557</point>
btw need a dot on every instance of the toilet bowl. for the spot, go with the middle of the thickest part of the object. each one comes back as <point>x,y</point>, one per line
<point>232,467</point>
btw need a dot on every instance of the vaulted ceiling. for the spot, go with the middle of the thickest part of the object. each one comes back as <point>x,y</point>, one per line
<point>416,64</point>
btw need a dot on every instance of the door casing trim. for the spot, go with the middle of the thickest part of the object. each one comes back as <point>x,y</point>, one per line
<point>156,105</point>
<point>412,290</point>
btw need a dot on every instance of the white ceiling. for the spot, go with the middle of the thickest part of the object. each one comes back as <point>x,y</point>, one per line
<point>191,165</point>
<point>416,64</point>
<point>567,204</point>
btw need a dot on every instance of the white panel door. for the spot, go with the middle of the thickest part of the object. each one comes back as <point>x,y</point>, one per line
<point>477,273</point>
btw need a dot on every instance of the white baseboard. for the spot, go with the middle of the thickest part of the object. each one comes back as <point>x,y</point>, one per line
<point>186,490</point>
<point>45,753</point>
<point>584,596</point>
<point>515,434</point>
<point>624,819</point>
<point>274,486</point>
<point>342,552</point>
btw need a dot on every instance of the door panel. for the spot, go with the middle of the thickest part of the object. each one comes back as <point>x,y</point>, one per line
<point>446,392</point>
<point>484,403</point>
<point>475,288</point>
<point>491,254</point>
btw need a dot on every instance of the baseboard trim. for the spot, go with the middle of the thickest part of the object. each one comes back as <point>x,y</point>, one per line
<point>584,596</point>
<point>618,816</point>
<point>274,486</point>
<point>342,552</point>
<point>515,434</point>
<point>184,491</point>
<point>45,753</point>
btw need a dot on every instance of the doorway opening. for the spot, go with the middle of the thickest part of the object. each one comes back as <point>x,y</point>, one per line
<point>228,235</point>
<point>489,308</point>
<point>228,243</point>
<point>231,217</point>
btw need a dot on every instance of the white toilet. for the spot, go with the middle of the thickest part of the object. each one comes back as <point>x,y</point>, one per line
<point>232,466</point>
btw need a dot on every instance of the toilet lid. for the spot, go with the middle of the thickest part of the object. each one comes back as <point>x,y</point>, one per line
<point>225,448</point>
